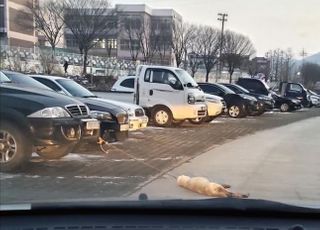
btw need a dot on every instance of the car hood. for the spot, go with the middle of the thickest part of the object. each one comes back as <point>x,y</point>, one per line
<point>123,105</point>
<point>102,105</point>
<point>213,96</point>
<point>46,98</point>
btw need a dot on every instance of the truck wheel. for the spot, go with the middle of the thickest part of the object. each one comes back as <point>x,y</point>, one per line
<point>284,107</point>
<point>55,152</point>
<point>162,116</point>
<point>15,148</point>
<point>236,111</point>
<point>196,121</point>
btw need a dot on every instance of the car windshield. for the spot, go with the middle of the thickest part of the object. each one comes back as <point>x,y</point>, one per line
<point>24,80</point>
<point>225,89</point>
<point>75,89</point>
<point>186,78</point>
<point>100,136</point>
<point>240,89</point>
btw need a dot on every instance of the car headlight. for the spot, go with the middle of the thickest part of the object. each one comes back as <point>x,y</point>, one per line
<point>130,113</point>
<point>100,115</point>
<point>295,101</point>
<point>50,112</point>
<point>122,118</point>
<point>191,98</point>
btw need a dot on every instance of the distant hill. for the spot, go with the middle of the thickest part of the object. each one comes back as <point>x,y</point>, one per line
<point>315,58</point>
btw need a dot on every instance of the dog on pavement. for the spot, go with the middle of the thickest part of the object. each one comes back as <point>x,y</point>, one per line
<point>203,186</point>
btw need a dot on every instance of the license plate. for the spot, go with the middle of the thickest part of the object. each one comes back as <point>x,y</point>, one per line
<point>92,124</point>
<point>124,127</point>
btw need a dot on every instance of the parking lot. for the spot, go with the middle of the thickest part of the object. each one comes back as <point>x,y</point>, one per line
<point>91,173</point>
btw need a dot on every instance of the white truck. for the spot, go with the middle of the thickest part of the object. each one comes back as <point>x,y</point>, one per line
<point>169,95</point>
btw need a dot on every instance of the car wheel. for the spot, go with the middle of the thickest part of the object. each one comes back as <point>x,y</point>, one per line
<point>15,147</point>
<point>162,116</point>
<point>284,107</point>
<point>197,121</point>
<point>236,111</point>
<point>55,151</point>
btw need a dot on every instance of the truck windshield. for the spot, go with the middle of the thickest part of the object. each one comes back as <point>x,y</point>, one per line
<point>75,89</point>
<point>186,78</point>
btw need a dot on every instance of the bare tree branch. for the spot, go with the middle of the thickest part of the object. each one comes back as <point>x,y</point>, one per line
<point>48,21</point>
<point>209,38</point>
<point>236,48</point>
<point>88,22</point>
<point>183,34</point>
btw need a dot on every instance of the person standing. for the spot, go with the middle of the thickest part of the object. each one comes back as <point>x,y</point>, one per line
<point>66,65</point>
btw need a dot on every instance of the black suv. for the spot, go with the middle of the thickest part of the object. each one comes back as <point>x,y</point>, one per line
<point>39,121</point>
<point>237,105</point>
<point>114,120</point>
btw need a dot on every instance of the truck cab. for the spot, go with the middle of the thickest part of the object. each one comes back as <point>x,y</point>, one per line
<point>168,94</point>
<point>297,91</point>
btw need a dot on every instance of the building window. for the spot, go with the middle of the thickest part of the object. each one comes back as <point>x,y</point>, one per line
<point>124,44</point>
<point>71,42</point>
<point>112,43</point>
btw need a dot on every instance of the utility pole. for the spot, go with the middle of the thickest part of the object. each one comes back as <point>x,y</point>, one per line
<point>223,19</point>
<point>303,54</point>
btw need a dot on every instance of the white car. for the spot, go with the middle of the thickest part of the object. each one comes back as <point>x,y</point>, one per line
<point>136,114</point>
<point>215,104</point>
<point>124,84</point>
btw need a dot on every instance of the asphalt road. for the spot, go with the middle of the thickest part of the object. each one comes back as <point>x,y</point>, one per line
<point>281,164</point>
<point>90,173</point>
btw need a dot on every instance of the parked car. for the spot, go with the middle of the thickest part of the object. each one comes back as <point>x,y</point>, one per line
<point>285,104</point>
<point>266,102</point>
<point>40,121</point>
<point>136,115</point>
<point>114,124</point>
<point>215,105</point>
<point>124,84</point>
<point>237,105</point>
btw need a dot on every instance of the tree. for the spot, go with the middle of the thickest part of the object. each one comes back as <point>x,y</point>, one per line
<point>183,34</point>
<point>162,37</point>
<point>310,73</point>
<point>88,22</point>
<point>281,64</point>
<point>236,49</point>
<point>209,40</point>
<point>48,21</point>
<point>129,26</point>
<point>146,37</point>
<point>194,48</point>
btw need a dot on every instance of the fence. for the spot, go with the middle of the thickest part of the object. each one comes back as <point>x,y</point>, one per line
<point>12,57</point>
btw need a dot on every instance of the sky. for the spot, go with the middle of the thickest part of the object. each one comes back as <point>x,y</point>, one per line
<point>270,24</point>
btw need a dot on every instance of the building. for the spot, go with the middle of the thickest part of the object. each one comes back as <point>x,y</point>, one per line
<point>260,65</point>
<point>139,33</point>
<point>16,23</point>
